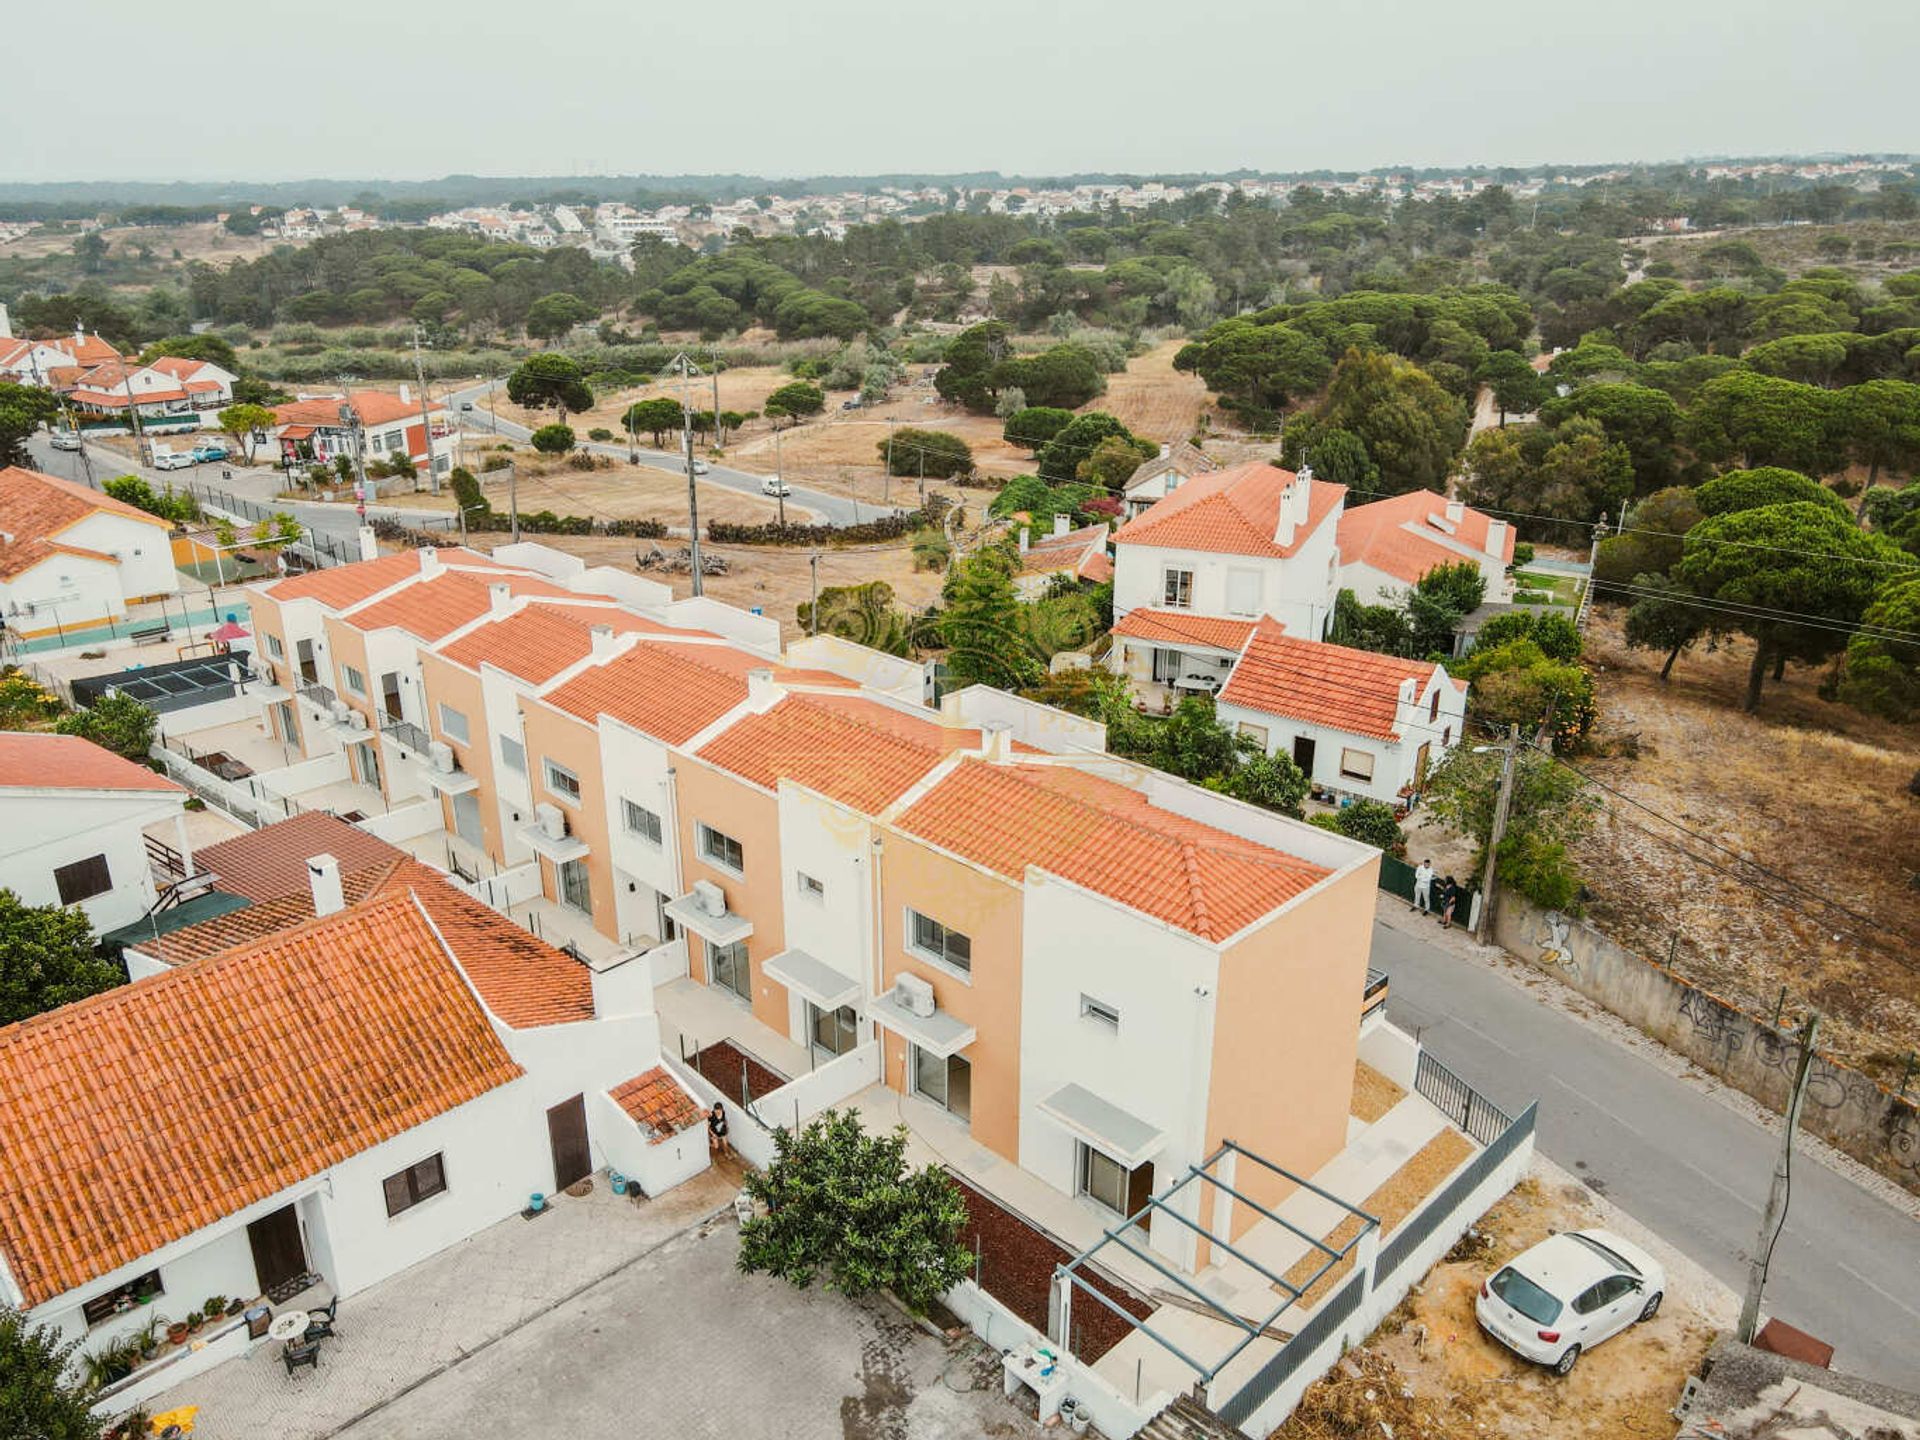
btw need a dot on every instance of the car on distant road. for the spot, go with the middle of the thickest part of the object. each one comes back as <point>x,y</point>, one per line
<point>699,467</point>
<point>208,451</point>
<point>65,440</point>
<point>774,485</point>
<point>1567,1294</point>
<point>466,404</point>
<point>174,460</point>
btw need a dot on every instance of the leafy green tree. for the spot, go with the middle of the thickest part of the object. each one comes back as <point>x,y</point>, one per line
<point>246,424</point>
<point>1062,377</point>
<point>1112,462</point>
<point>1556,634</point>
<point>1371,821</point>
<point>1518,683</point>
<point>980,624</point>
<point>1770,485</point>
<point>1518,389</point>
<point>1550,809</point>
<point>1411,427</point>
<point>550,382</point>
<point>1882,674</point>
<point>36,1398</point>
<point>553,439</point>
<point>843,1203</point>
<point>1273,782</point>
<point>1879,424</point>
<point>971,359</point>
<point>115,722</point>
<point>1438,602</point>
<point>1651,543</point>
<point>1758,420</point>
<point>1192,743</point>
<point>135,491</point>
<point>23,410</point>
<point>1643,419</point>
<point>797,399</point>
<point>1380,628</point>
<point>1257,370</point>
<point>934,453</point>
<point>1798,571</point>
<point>47,959</point>
<point>1665,617</point>
<point>1583,475</point>
<point>653,417</point>
<point>1032,427</point>
<point>865,614</point>
<point>1059,459</point>
<point>1808,359</point>
<point>1341,457</point>
<point>555,315</point>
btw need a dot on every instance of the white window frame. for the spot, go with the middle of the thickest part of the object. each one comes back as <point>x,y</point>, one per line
<point>651,829</point>
<point>1175,582</point>
<point>1100,1012</point>
<point>1347,772</point>
<point>1083,1178</point>
<point>811,887</point>
<point>1256,733</point>
<point>275,647</point>
<point>551,775</point>
<point>1238,579</point>
<point>705,834</point>
<point>354,681</point>
<point>943,957</point>
<point>453,724</point>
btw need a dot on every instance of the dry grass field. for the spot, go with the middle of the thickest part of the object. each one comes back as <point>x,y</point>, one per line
<point>743,389</point>
<point>204,241</point>
<point>1154,400</point>
<point>625,492</point>
<point>1813,791</point>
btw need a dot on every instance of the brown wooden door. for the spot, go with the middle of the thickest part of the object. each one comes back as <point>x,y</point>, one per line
<point>567,1132</point>
<point>1420,766</point>
<point>1303,748</point>
<point>278,1254</point>
<point>1139,1191</point>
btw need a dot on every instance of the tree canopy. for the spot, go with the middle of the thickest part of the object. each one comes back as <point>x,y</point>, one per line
<point>550,381</point>
<point>47,959</point>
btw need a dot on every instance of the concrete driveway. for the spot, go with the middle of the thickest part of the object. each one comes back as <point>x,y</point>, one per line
<point>681,1344</point>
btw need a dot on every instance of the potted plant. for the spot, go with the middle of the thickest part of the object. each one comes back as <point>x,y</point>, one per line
<point>194,1321</point>
<point>215,1307</point>
<point>236,1306</point>
<point>177,1332</point>
<point>148,1336</point>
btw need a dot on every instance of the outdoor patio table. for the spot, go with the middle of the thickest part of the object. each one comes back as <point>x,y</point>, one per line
<point>1022,1367</point>
<point>288,1325</point>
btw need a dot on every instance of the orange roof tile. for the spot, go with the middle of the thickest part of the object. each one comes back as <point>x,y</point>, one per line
<point>1183,627</point>
<point>1233,512</point>
<point>374,407</point>
<point>39,507</point>
<point>538,641</point>
<point>1352,690</point>
<point>522,979</point>
<point>437,605</point>
<point>117,399</point>
<point>1402,536</point>
<point>67,762</point>
<point>1070,551</point>
<point>270,862</point>
<point>669,691</point>
<point>851,749</point>
<point>655,1102</point>
<point>1110,839</point>
<point>344,585</point>
<point>134,1118</point>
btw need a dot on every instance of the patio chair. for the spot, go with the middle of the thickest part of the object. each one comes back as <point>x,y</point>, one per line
<point>298,1353</point>
<point>325,1314</point>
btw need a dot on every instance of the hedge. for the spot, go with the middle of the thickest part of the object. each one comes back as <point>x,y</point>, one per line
<point>891,527</point>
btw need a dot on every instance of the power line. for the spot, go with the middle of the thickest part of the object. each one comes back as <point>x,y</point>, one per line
<point>1739,610</point>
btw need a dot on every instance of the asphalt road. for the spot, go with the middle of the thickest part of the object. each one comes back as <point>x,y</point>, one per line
<point>830,509</point>
<point>1847,1267</point>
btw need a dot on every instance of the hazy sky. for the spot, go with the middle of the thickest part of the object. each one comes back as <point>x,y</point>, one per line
<point>110,89</point>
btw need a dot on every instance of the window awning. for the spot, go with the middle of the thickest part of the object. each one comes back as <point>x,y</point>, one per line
<point>567,847</point>
<point>450,782</point>
<point>723,929</point>
<point>941,1033</point>
<point>812,978</point>
<point>349,736</point>
<point>1103,1125</point>
<point>268,694</point>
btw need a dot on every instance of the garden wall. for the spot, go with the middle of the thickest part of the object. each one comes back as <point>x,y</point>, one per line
<point>1843,1106</point>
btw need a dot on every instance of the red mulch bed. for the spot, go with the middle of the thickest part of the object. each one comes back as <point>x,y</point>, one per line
<point>719,1064</point>
<point>1016,1268</point>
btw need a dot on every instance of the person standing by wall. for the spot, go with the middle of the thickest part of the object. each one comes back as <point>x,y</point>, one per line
<point>1423,887</point>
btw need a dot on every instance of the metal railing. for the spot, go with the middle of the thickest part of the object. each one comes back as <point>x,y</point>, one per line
<point>1465,1106</point>
<point>166,862</point>
<point>405,732</point>
<point>319,694</point>
<point>1295,1353</point>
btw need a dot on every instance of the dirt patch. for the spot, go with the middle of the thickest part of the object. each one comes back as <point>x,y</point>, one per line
<point>1154,400</point>
<point>1810,789</point>
<point>1373,1093</point>
<point>620,492</point>
<point>1429,1372</point>
<point>1391,1203</point>
<point>1017,1263</point>
<point>721,1063</point>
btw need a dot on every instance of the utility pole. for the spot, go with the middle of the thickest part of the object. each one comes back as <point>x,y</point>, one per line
<point>1774,1219</point>
<point>813,610</point>
<point>1509,754</point>
<point>713,365</point>
<point>426,424</point>
<point>513,498</point>
<point>779,481</point>
<point>887,482</point>
<point>133,414</point>
<point>686,368</point>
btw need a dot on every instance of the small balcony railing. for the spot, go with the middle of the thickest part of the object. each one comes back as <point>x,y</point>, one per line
<point>405,732</point>
<point>319,694</point>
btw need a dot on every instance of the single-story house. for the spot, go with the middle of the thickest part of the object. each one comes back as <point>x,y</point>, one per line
<point>72,557</point>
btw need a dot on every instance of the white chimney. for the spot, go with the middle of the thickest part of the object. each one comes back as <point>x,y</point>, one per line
<point>499,597</point>
<point>369,543</point>
<point>1023,537</point>
<point>996,740</point>
<point>1456,511</point>
<point>1406,706</point>
<point>1497,538</point>
<point>1302,498</point>
<point>323,874</point>
<point>762,689</point>
<point>429,560</point>
<point>1289,517</point>
<point>1165,451</point>
<point>599,636</point>
<point>406,393</point>
<point>6,324</point>
<point>1062,524</point>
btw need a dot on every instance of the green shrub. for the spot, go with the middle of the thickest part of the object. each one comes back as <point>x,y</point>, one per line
<point>553,439</point>
<point>600,433</point>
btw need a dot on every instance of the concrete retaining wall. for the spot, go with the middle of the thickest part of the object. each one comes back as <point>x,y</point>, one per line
<point>1844,1107</point>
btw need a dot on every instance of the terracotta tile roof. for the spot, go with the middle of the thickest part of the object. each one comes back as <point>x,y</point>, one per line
<point>655,1102</point>
<point>256,921</point>
<point>1352,690</point>
<point>854,750</point>
<point>434,606</point>
<point>136,1117</point>
<point>18,559</point>
<point>87,349</point>
<point>1070,551</point>
<point>270,862</point>
<point>1097,569</point>
<point>540,640</point>
<point>37,507</point>
<point>67,762</point>
<point>669,691</point>
<point>117,399</point>
<point>1182,458</point>
<point>344,585</point>
<point>1183,627</point>
<point>522,979</point>
<point>1231,512</point>
<point>374,407</point>
<point>1402,536</point>
<point>1110,839</point>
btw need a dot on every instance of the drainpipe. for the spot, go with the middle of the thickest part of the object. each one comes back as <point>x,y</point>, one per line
<point>877,939</point>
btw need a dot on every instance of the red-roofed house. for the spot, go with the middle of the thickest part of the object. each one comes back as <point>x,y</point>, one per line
<point>1080,553</point>
<point>71,557</point>
<point>315,431</point>
<point>72,823</point>
<point>1356,722</point>
<point>1386,546</point>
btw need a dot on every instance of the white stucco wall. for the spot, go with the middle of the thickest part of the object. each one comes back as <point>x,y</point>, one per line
<point>1394,760</point>
<point>43,830</point>
<point>834,845</point>
<point>1297,591</point>
<point>62,590</point>
<point>636,767</point>
<point>144,552</point>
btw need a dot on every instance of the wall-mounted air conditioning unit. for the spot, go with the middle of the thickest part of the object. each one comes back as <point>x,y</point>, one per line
<point>553,824</point>
<point>913,995</point>
<point>340,710</point>
<point>442,754</point>
<point>712,899</point>
<point>357,721</point>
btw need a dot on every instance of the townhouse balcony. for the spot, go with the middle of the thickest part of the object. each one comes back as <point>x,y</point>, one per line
<point>315,693</point>
<point>406,733</point>
<point>452,780</point>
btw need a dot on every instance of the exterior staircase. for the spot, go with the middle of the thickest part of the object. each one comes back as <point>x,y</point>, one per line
<point>1188,1419</point>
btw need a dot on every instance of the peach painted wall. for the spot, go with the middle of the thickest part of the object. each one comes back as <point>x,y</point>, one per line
<point>1286,1036</point>
<point>266,620</point>
<point>751,816</point>
<point>441,680</point>
<point>985,908</point>
<point>574,744</point>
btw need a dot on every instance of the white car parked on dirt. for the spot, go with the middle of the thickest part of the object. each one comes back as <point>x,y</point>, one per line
<point>1567,1294</point>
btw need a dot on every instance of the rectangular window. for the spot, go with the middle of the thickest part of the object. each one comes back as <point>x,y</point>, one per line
<point>576,892</point>
<point>102,1308</point>
<point>641,821</point>
<point>453,724</point>
<point>1243,592</point>
<point>1356,764</point>
<point>83,879</point>
<point>1166,666</point>
<point>935,941</point>
<point>722,850</point>
<point>1177,590</point>
<point>355,681</point>
<point>810,888</point>
<point>420,1181</point>
<point>1255,733</point>
<point>274,648</point>
<point>513,754</point>
<point>947,1082</point>
<point>564,784</point>
<point>1104,1179</point>
<point>1099,1012</point>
